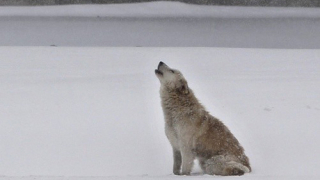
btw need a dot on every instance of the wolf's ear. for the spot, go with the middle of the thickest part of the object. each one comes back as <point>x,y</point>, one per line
<point>184,89</point>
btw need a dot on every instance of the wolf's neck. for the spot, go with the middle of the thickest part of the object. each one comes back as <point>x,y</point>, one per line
<point>175,101</point>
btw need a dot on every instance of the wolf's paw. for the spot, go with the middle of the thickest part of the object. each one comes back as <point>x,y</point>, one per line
<point>176,173</point>
<point>185,174</point>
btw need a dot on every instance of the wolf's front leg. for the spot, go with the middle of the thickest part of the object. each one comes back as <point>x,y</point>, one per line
<point>187,162</point>
<point>176,162</point>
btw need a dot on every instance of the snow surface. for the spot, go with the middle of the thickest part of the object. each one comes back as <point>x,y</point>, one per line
<point>160,24</point>
<point>94,113</point>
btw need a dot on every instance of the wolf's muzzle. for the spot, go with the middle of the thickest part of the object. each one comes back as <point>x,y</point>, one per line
<point>160,64</point>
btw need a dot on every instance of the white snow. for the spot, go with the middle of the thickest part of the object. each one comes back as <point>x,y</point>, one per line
<point>94,113</point>
<point>160,24</point>
<point>86,111</point>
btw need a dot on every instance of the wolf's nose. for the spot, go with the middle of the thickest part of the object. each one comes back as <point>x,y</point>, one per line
<point>160,64</point>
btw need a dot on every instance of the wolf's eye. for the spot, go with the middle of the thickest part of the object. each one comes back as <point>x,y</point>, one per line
<point>172,71</point>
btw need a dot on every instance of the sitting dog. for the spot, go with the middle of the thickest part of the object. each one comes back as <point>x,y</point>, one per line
<point>195,134</point>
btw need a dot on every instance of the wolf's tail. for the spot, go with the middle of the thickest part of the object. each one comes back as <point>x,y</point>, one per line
<point>236,165</point>
<point>226,166</point>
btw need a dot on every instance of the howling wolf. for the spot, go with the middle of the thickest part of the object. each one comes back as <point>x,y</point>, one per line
<point>195,134</point>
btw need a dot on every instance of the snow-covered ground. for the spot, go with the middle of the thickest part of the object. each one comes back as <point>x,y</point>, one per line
<point>94,113</point>
<point>160,24</point>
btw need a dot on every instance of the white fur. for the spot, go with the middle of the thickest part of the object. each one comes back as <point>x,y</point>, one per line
<point>194,133</point>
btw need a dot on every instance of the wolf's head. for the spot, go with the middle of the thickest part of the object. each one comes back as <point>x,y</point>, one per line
<point>171,79</point>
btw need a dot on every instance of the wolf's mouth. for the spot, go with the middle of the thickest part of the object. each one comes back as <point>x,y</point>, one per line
<point>158,72</point>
